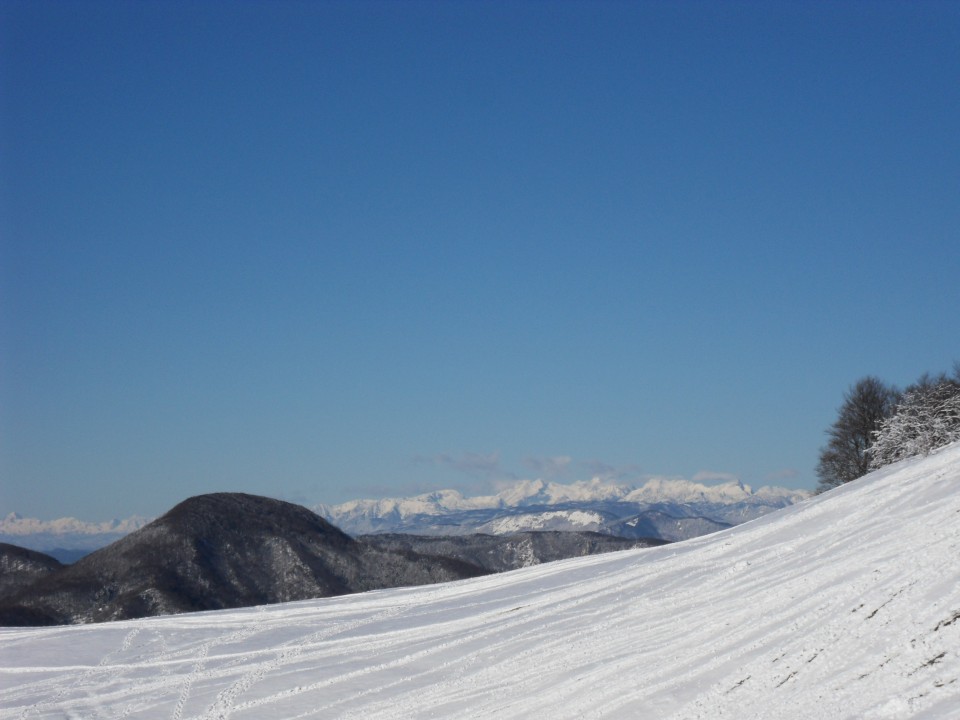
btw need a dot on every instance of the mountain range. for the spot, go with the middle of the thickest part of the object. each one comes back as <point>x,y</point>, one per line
<point>669,509</point>
<point>67,539</point>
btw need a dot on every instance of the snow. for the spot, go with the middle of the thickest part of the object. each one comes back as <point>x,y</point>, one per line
<point>843,606</point>
<point>679,490</point>
<point>433,503</point>
<point>543,521</point>
<point>582,491</point>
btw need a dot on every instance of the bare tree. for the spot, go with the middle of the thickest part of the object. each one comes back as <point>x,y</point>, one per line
<point>926,418</point>
<point>845,458</point>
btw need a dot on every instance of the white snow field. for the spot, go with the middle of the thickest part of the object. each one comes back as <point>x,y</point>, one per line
<point>845,606</point>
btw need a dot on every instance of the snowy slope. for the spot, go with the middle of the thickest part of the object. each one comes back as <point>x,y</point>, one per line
<point>845,606</point>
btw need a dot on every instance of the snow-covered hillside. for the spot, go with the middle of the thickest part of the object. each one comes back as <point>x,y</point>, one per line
<point>845,606</point>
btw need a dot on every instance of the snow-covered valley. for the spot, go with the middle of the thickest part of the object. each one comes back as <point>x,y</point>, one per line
<point>843,606</point>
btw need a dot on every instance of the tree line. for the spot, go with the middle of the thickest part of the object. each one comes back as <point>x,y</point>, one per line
<point>878,424</point>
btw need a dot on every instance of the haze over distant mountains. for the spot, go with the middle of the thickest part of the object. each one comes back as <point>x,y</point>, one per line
<point>65,537</point>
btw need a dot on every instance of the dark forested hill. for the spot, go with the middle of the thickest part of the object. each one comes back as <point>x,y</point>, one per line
<point>20,567</point>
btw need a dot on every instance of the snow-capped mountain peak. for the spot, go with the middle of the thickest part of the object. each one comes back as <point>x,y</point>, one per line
<point>520,492</point>
<point>687,491</point>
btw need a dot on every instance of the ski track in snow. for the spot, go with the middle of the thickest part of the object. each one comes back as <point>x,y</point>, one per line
<point>846,606</point>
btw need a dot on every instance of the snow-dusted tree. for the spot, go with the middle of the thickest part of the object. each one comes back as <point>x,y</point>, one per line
<point>845,458</point>
<point>927,417</point>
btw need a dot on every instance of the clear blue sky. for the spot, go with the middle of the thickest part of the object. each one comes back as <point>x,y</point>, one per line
<point>328,250</point>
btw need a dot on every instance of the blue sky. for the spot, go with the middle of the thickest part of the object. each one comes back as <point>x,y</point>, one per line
<point>321,251</point>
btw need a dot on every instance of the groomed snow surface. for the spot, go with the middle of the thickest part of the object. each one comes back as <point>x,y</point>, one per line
<point>845,606</point>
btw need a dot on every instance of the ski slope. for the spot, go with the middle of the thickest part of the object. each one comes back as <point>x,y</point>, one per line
<point>845,606</point>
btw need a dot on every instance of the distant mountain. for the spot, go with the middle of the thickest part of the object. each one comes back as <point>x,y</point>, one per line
<point>668,509</point>
<point>498,553</point>
<point>65,536</point>
<point>220,551</point>
<point>659,524</point>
